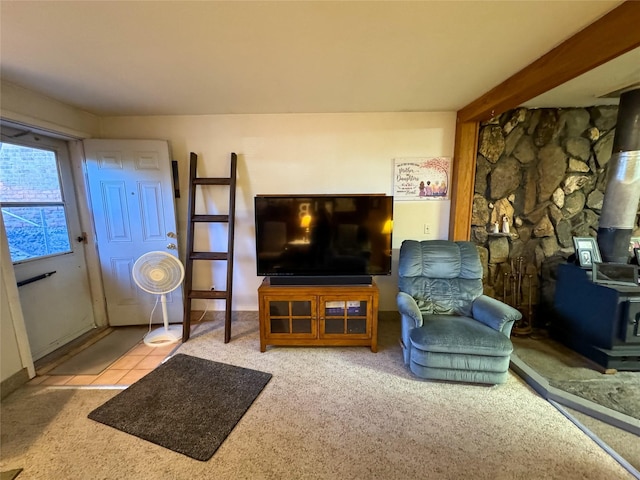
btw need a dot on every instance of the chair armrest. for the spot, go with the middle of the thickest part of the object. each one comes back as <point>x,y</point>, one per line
<point>408,309</point>
<point>410,318</point>
<point>494,313</point>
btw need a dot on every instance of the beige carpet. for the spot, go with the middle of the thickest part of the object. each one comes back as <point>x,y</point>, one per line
<point>327,413</point>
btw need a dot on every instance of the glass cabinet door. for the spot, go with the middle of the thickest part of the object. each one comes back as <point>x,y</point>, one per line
<point>330,315</point>
<point>291,317</point>
<point>344,316</point>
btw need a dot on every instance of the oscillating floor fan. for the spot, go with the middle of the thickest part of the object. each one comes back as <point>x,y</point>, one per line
<point>160,273</point>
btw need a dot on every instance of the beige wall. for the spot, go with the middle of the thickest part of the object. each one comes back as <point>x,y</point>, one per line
<point>298,153</point>
<point>314,153</point>
<point>26,107</point>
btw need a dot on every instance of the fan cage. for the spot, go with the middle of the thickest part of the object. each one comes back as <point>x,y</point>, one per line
<point>158,272</point>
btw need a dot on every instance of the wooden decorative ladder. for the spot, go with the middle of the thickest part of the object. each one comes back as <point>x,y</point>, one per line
<point>192,255</point>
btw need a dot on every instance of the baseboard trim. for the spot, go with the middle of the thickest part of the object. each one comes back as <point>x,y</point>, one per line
<point>15,381</point>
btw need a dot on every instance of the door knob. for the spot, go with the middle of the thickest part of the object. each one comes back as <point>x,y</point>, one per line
<point>172,235</point>
<point>172,246</point>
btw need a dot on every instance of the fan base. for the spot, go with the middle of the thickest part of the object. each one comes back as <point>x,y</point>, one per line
<point>163,336</point>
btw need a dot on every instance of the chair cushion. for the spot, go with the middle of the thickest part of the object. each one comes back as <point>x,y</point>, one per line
<point>439,259</point>
<point>458,334</point>
<point>443,277</point>
<point>442,296</point>
<point>454,375</point>
<point>459,361</point>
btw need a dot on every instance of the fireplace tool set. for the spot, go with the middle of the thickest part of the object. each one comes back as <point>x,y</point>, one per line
<point>515,284</point>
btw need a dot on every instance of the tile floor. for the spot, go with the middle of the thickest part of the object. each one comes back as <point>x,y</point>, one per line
<point>129,368</point>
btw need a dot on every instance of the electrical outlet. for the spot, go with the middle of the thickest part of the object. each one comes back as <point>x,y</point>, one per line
<point>427,229</point>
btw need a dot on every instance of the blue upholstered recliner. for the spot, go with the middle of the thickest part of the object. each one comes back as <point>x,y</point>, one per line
<point>450,329</point>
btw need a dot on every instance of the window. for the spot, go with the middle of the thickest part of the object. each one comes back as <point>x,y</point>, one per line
<point>32,203</point>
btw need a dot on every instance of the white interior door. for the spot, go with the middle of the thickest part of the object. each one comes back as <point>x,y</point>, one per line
<point>42,225</point>
<point>131,195</point>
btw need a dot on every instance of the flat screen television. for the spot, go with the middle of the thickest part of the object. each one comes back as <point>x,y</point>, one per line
<point>323,239</point>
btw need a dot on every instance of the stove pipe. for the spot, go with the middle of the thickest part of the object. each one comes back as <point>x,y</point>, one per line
<point>620,205</point>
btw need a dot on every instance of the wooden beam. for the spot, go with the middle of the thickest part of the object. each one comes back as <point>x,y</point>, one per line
<point>463,177</point>
<point>614,34</point>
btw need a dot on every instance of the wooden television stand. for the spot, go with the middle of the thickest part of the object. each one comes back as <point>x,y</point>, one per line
<point>320,315</point>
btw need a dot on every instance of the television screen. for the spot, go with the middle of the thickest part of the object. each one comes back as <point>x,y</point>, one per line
<point>315,235</point>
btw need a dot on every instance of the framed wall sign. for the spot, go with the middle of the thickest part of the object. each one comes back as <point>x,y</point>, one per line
<point>587,251</point>
<point>422,178</point>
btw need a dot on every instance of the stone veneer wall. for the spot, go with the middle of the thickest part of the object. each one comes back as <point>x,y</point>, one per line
<point>545,171</point>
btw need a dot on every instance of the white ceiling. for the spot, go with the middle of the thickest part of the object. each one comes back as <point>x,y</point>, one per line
<point>594,87</point>
<point>214,57</point>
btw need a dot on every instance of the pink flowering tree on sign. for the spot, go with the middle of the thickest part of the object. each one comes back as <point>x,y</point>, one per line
<point>422,178</point>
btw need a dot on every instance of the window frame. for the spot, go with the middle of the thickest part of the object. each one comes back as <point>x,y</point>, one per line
<point>32,143</point>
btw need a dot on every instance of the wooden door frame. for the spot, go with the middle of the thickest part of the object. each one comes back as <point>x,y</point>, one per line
<point>607,38</point>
